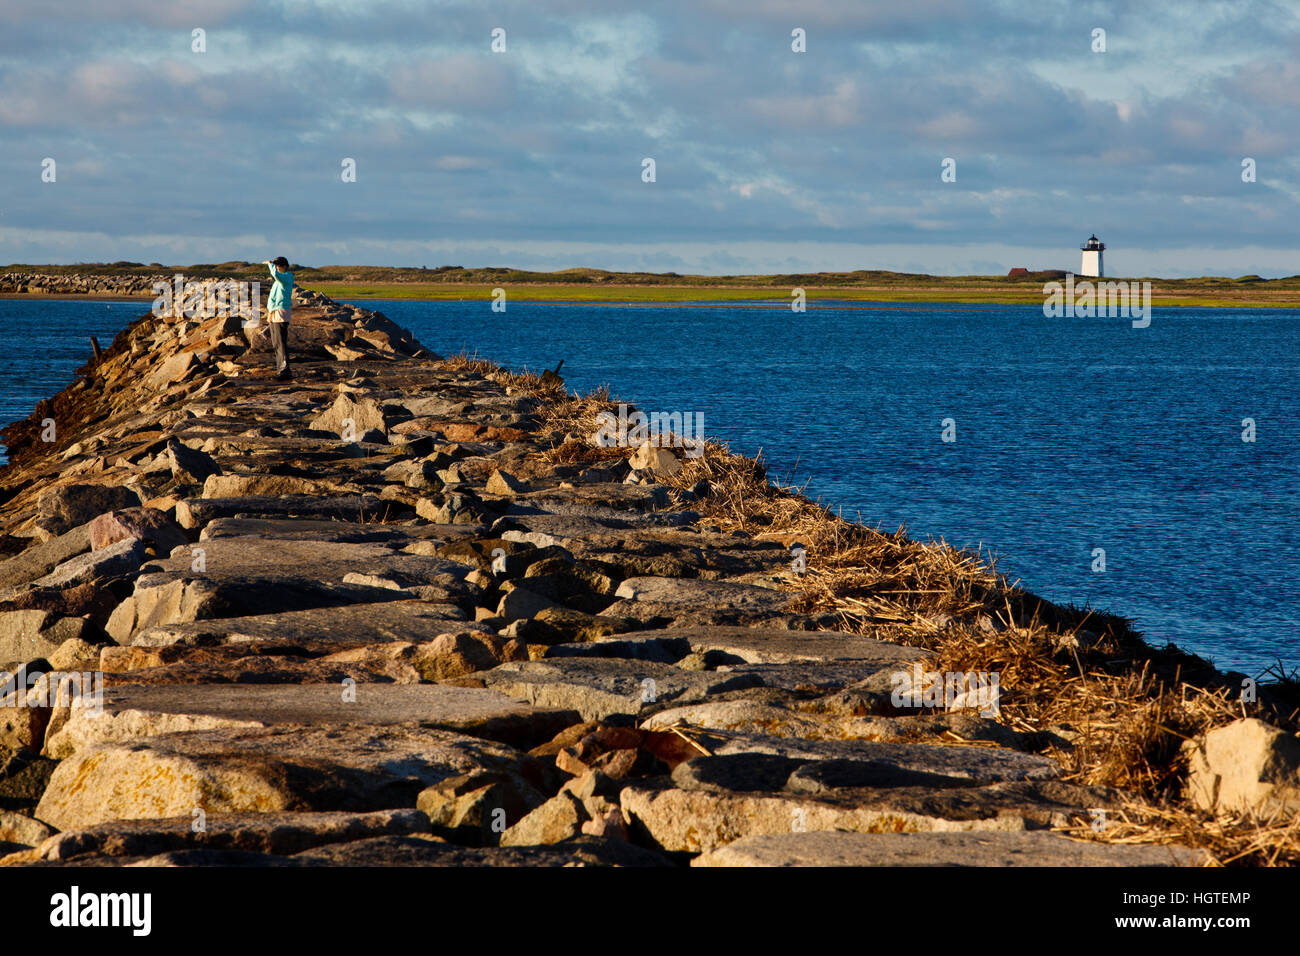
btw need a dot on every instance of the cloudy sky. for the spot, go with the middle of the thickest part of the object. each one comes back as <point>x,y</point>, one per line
<point>765,159</point>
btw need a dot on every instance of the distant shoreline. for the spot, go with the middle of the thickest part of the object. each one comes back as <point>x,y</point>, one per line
<point>688,297</point>
<point>595,286</point>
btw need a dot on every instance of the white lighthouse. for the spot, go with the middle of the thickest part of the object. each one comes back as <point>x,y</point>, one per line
<point>1092,264</point>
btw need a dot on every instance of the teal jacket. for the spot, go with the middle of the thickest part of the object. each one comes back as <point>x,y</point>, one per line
<point>281,291</point>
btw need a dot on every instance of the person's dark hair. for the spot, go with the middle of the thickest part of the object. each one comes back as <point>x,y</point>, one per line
<point>281,263</point>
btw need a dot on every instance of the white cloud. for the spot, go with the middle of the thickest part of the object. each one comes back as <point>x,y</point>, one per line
<point>814,151</point>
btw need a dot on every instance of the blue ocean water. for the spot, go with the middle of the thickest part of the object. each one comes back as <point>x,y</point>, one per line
<point>1071,434</point>
<point>46,341</point>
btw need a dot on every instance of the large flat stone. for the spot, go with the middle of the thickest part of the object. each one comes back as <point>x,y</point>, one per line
<point>690,602</point>
<point>196,512</point>
<point>173,370</point>
<point>756,717</point>
<point>665,647</point>
<point>159,601</point>
<point>698,821</point>
<point>596,688</point>
<point>40,560</point>
<point>257,558</point>
<point>414,851</point>
<point>695,593</point>
<point>21,639</point>
<point>987,848</point>
<point>236,577</point>
<point>977,764</point>
<point>546,530</point>
<point>350,417</point>
<point>747,717</point>
<point>259,832</point>
<point>582,498</point>
<point>674,552</point>
<point>776,645</point>
<point>293,768</point>
<point>747,645</point>
<point>244,486</point>
<point>761,645</point>
<point>349,625</point>
<point>134,711</point>
<point>577,522</point>
<point>260,663</point>
<point>749,772</point>
<point>117,560</point>
<point>315,529</point>
<point>826,764</point>
<point>822,677</point>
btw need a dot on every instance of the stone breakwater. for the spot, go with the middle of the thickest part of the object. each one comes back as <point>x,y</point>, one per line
<point>367,617</point>
<point>39,283</point>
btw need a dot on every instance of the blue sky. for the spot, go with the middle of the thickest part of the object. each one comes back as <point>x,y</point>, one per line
<point>766,160</point>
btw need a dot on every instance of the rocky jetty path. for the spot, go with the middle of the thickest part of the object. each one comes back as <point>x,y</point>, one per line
<point>76,284</point>
<point>399,611</point>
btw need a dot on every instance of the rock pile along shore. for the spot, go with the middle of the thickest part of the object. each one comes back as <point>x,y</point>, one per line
<point>36,283</point>
<point>400,610</point>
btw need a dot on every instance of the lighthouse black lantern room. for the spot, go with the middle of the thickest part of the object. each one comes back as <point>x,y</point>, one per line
<point>1092,262</point>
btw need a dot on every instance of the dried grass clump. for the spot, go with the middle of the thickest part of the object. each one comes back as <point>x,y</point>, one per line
<point>574,416</point>
<point>1108,726</point>
<point>1242,840</point>
<point>580,451</point>
<point>867,578</point>
<point>544,385</point>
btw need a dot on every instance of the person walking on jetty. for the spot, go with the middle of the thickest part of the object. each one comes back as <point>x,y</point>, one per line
<point>278,308</point>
